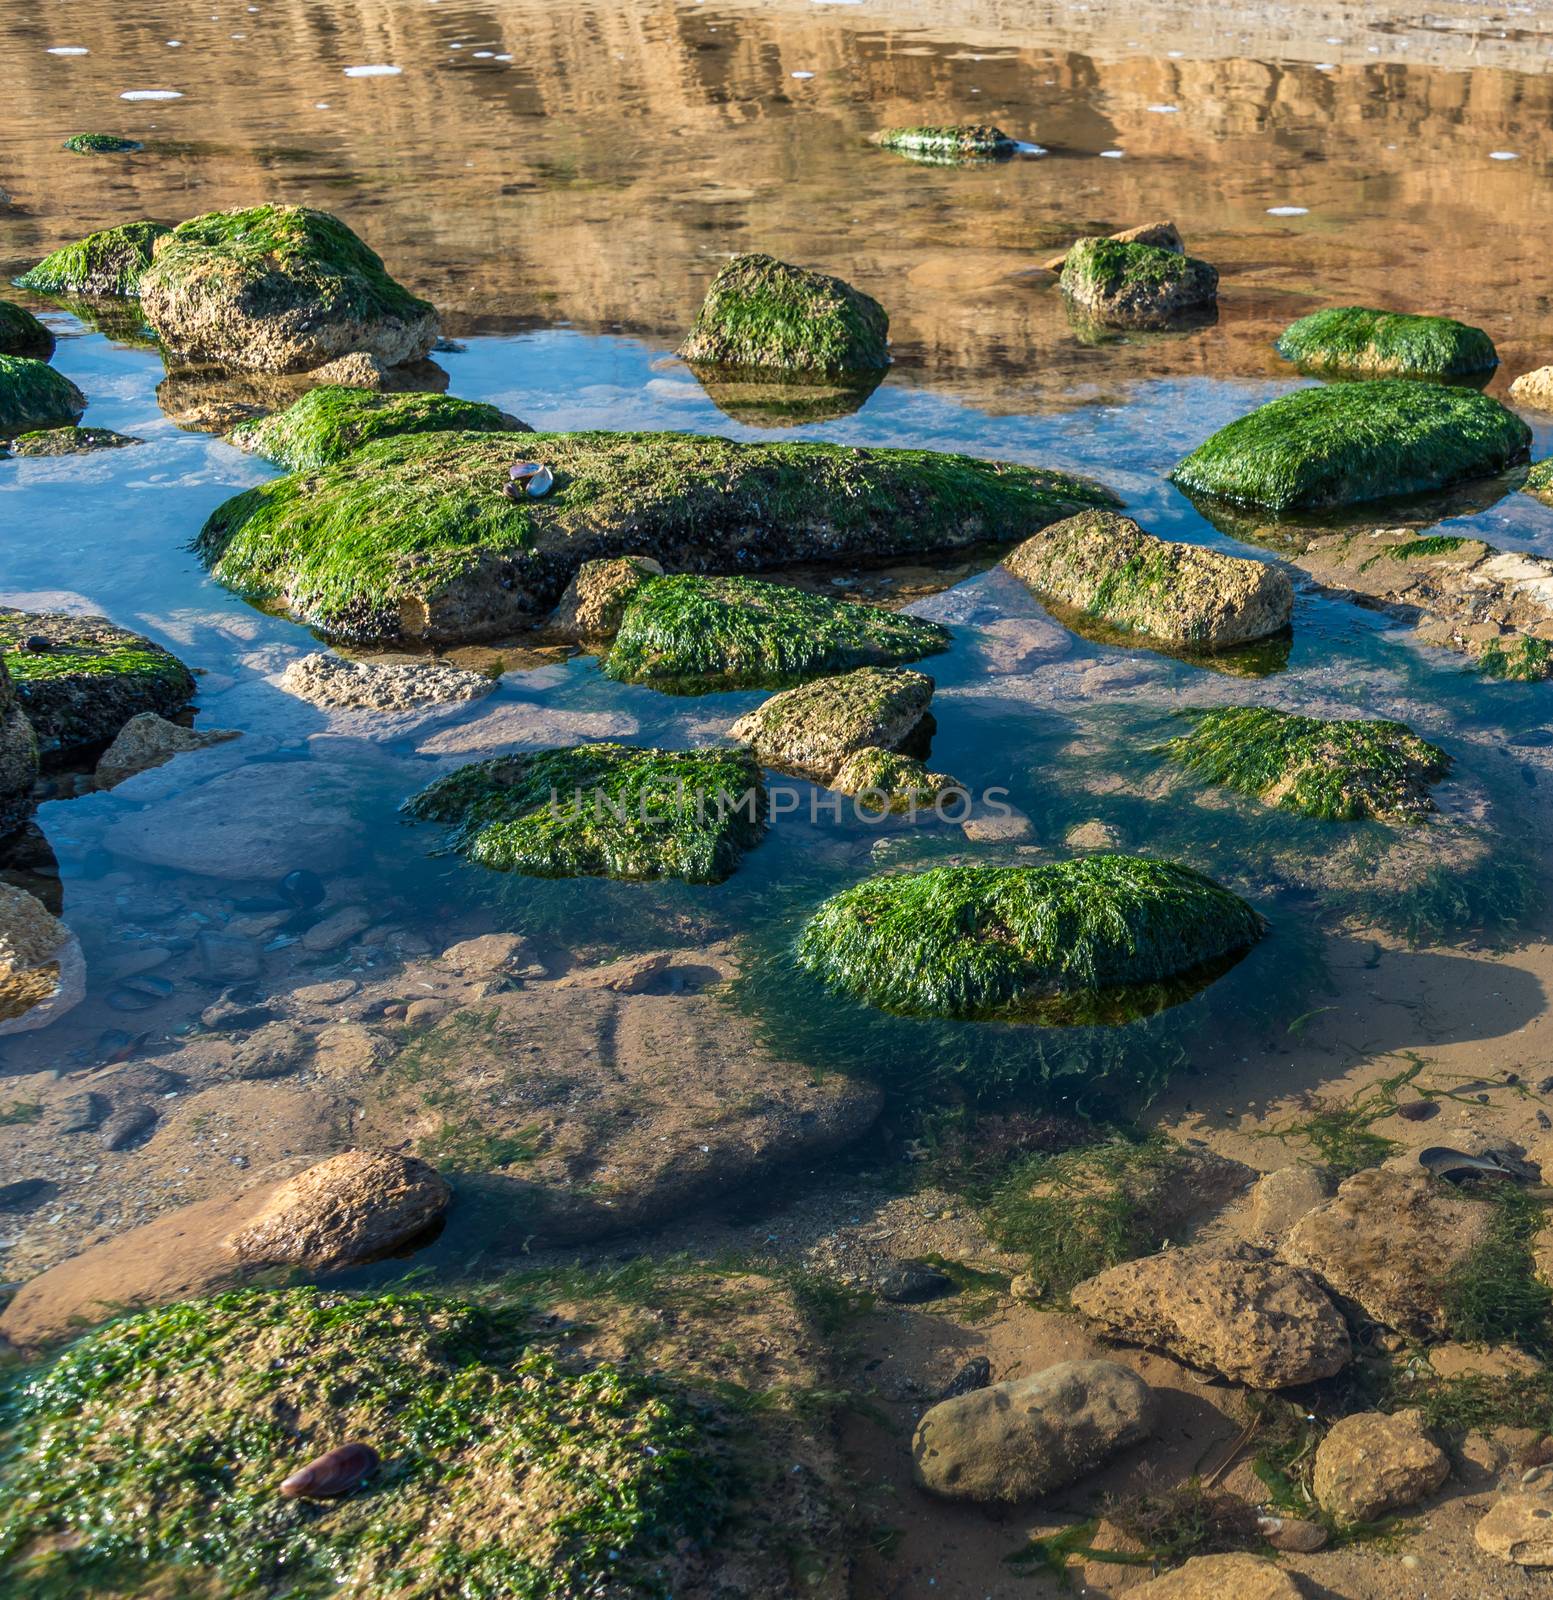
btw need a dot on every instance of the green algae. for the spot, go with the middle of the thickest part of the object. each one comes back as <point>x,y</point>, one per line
<point>603,810</point>
<point>1331,769</point>
<point>100,144</point>
<point>154,1447</point>
<point>1523,660</point>
<point>33,395</point>
<point>959,142</point>
<point>68,442</point>
<point>1022,942</point>
<point>691,634</point>
<point>346,547</point>
<point>21,334</point>
<point>889,781</point>
<point>1539,481</point>
<point>109,262</point>
<point>1367,343</point>
<point>333,421</point>
<point>762,314</point>
<point>1350,442</point>
<point>1108,266</point>
<point>1126,283</point>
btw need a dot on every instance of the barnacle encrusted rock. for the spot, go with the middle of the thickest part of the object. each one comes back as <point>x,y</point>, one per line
<point>688,633</point>
<point>1357,341</point>
<point>1235,1312</point>
<point>985,941</point>
<point>603,810</point>
<point>812,730</point>
<point>1128,284</point>
<point>761,314</point>
<point>109,262</point>
<point>80,679</point>
<point>1187,596</point>
<point>1349,442</point>
<point>886,780</point>
<point>438,552</point>
<point>1336,769</point>
<point>390,686</point>
<point>21,334</point>
<point>279,289</point>
<point>331,422</point>
<point>1534,389</point>
<point>33,395</point>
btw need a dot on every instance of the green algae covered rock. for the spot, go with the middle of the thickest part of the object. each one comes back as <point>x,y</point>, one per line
<point>962,142</point>
<point>1128,284</point>
<point>603,810</point>
<point>763,315</point>
<point>100,144</point>
<point>413,537</point>
<point>1337,770</point>
<point>1349,442</point>
<point>1523,660</point>
<point>1539,481</point>
<point>68,442</point>
<point>279,289</point>
<point>1023,942</point>
<point>888,780</point>
<point>152,1450</point>
<point>329,423</point>
<point>1386,344</point>
<point>109,262</point>
<point>80,679</point>
<point>21,334</point>
<point>34,395</point>
<point>692,634</point>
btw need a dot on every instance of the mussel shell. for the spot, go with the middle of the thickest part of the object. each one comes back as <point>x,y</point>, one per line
<point>336,1472</point>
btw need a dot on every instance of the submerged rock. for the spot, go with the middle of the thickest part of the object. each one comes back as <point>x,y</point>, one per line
<point>1351,442</point>
<point>1534,389</point>
<point>110,262</point>
<point>100,144</point>
<point>86,677</point>
<point>1127,284</point>
<point>1336,769</point>
<point>202,397</point>
<point>603,810</point>
<point>1361,342</point>
<point>813,730</point>
<point>42,971</point>
<point>470,563</point>
<point>1370,1464</point>
<point>689,633</point>
<point>1013,1441</point>
<point>148,741</point>
<point>69,442</point>
<point>337,684</point>
<point>33,395</point>
<point>329,423</point>
<point>21,334</point>
<point>1187,596</point>
<point>596,598</point>
<point>885,780</point>
<point>18,759</point>
<point>279,289</point>
<point>354,1207</point>
<point>982,941</point>
<point>1235,1312</point>
<point>961,142</point>
<point>761,314</point>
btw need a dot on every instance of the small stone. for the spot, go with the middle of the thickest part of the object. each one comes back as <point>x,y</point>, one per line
<point>303,889</point>
<point>389,687</point>
<point>224,959</point>
<point>1026,1286</point>
<point>1281,1198</point>
<point>1484,1361</point>
<point>272,1052</point>
<point>975,1374</point>
<point>25,1194</point>
<point>1417,1110</point>
<point>487,954</point>
<point>1006,825</point>
<point>629,976</point>
<point>1370,1464</point>
<point>127,1125</point>
<point>1534,389</point>
<point>422,1013</point>
<point>1013,1441</point>
<point>137,1081</point>
<point>913,1283</point>
<point>597,596</point>
<point>338,929</point>
<point>148,741</point>
<point>82,1112</point>
<point>1092,835</point>
<point>325,994</point>
<point>236,1011</point>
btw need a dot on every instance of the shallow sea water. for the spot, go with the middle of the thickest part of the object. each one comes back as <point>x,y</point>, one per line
<point>565,208</point>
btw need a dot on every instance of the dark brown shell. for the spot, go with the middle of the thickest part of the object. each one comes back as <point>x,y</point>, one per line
<point>337,1471</point>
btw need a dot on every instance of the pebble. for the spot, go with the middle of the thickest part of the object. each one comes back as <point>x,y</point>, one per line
<point>24,1194</point>
<point>82,1112</point>
<point>237,1010</point>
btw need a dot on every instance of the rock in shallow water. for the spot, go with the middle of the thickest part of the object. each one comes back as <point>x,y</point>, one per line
<point>18,759</point>
<point>1129,284</point>
<point>596,598</point>
<point>1013,1441</point>
<point>21,334</point>
<point>69,442</point>
<point>42,970</point>
<point>1356,341</point>
<point>109,262</point>
<point>148,741</point>
<point>337,684</point>
<point>33,395</point>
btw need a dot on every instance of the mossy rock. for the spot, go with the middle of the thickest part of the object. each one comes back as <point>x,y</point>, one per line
<point>762,315</point>
<point>1128,284</point>
<point>21,334</point>
<point>414,536</point>
<point>149,1454</point>
<point>34,395</point>
<point>1523,660</point>
<point>603,810</point>
<point>109,262</point>
<point>1337,770</point>
<point>1360,342</point>
<point>329,423</point>
<point>949,145</point>
<point>88,678</point>
<point>18,759</point>
<point>67,442</point>
<point>1350,442</point>
<point>279,289</point>
<point>1072,941</point>
<point>100,144</point>
<point>1539,481</point>
<point>690,634</point>
<point>890,781</point>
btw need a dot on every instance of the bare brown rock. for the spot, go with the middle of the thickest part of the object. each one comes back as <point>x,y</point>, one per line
<point>18,759</point>
<point>1370,1463</point>
<point>148,741</point>
<point>1519,1524</point>
<point>1231,1577</point>
<point>597,596</point>
<point>42,970</point>
<point>1534,389</point>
